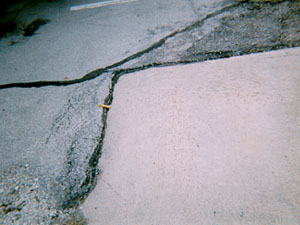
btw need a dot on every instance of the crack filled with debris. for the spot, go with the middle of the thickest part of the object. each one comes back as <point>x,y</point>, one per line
<point>147,58</point>
<point>213,55</point>
<point>91,173</point>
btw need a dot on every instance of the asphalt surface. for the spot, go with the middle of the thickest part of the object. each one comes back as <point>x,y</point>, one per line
<point>51,136</point>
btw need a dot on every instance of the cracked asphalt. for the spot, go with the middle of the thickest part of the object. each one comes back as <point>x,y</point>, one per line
<point>52,130</point>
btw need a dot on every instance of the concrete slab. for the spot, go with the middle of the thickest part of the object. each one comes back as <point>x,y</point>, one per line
<point>208,143</point>
<point>49,135</point>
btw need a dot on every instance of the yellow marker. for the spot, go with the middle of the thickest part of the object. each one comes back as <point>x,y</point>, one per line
<point>104,106</point>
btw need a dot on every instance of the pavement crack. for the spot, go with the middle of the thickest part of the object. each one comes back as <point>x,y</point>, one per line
<point>17,207</point>
<point>91,173</point>
<point>96,73</point>
<point>37,84</point>
<point>203,56</point>
<point>81,186</point>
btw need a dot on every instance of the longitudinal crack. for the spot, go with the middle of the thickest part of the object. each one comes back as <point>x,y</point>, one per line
<point>96,73</point>
<point>200,56</point>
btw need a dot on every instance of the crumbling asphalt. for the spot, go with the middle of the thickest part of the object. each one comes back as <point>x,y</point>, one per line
<point>50,152</point>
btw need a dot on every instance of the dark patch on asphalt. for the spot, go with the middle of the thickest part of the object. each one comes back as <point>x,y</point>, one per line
<point>33,26</point>
<point>261,21</point>
<point>8,27</point>
<point>15,27</point>
<point>94,74</point>
<point>9,11</point>
<point>255,26</point>
<point>98,72</point>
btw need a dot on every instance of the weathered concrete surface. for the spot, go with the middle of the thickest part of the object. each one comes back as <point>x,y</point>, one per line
<point>208,143</point>
<point>50,138</point>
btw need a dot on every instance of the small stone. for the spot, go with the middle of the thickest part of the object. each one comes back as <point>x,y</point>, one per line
<point>36,198</point>
<point>18,216</point>
<point>4,204</point>
<point>53,215</point>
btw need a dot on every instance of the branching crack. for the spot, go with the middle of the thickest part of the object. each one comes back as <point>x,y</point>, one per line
<point>96,73</point>
<point>207,55</point>
<point>91,172</point>
<point>204,55</point>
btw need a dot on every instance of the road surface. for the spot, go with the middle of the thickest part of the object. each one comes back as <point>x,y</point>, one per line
<point>51,83</point>
<point>215,142</point>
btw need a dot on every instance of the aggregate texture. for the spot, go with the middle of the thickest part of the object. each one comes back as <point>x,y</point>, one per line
<point>45,180</point>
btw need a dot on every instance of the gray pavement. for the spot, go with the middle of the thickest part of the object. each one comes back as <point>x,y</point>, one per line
<point>207,143</point>
<point>74,43</point>
<point>51,136</point>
